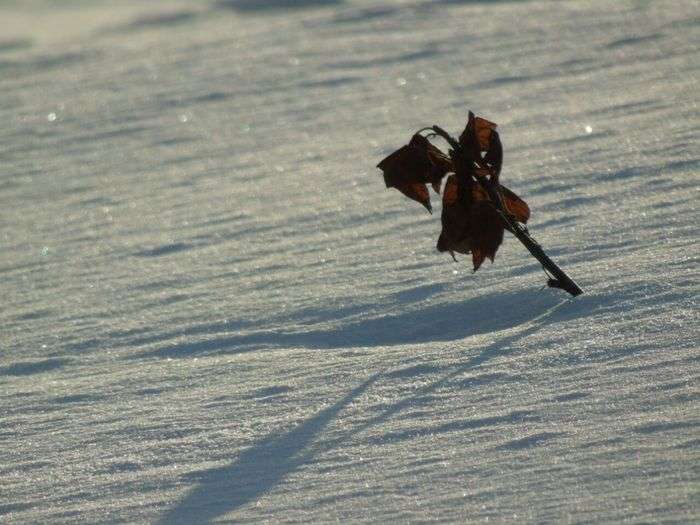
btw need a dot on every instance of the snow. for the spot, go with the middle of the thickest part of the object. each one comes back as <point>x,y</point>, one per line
<point>213,310</point>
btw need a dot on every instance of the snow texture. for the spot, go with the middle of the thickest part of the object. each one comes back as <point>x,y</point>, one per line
<point>213,310</point>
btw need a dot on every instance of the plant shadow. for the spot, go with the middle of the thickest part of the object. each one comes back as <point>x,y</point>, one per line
<point>262,467</point>
<point>435,322</point>
<point>258,469</point>
<point>249,6</point>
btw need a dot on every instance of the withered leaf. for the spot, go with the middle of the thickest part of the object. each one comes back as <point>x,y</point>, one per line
<point>483,129</point>
<point>514,205</point>
<point>470,222</point>
<point>517,207</point>
<point>414,165</point>
<point>416,191</point>
<point>481,140</point>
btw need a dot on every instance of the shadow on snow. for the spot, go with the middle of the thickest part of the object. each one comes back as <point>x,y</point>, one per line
<point>438,322</point>
<point>273,5</point>
<point>263,466</point>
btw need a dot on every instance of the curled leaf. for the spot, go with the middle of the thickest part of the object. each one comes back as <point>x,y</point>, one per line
<point>418,192</point>
<point>517,207</point>
<point>481,140</point>
<point>414,165</point>
<point>470,222</point>
<point>484,129</point>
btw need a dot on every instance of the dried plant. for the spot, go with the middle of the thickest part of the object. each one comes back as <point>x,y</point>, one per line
<point>476,207</point>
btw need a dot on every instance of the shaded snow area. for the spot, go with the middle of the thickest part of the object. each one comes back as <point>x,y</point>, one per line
<point>214,311</point>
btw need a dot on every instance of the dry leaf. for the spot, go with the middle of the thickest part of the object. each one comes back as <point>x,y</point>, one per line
<point>411,167</point>
<point>517,207</point>
<point>481,140</point>
<point>470,223</point>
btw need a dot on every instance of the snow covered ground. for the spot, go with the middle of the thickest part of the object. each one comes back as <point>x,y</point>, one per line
<point>213,310</point>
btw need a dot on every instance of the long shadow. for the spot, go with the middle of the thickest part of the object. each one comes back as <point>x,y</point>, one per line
<point>258,469</point>
<point>273,5</point>
<point>439,322</point>
<point>263,466</point>
<point>498,348</point>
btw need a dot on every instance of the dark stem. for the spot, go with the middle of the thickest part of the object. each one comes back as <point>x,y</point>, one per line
<point>560,278</point>
<point>452,142</point>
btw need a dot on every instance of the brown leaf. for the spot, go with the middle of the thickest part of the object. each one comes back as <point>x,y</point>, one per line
<point>483,129</point>
<point>483,144</point>
<point>486,233</point>
<point>449,194</point>
<point>413,166</point>
<point>515,205</point>
<point>441,163</point>
<point>418,192</point>
<point>470,223</point>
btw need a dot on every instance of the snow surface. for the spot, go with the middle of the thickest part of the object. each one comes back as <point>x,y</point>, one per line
<point>213,310</point>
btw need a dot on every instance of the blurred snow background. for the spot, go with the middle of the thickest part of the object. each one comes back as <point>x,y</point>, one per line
<point>214,311</point>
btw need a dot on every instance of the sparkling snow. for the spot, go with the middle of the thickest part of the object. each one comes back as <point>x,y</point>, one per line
<point>213,310</point>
